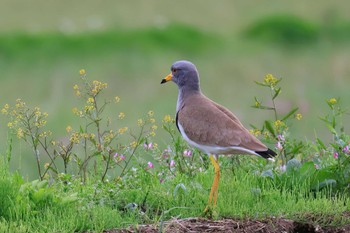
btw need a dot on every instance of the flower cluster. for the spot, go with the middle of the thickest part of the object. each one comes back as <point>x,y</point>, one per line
<point>332,101</point>
<point>167,119</point>
<point>270,80</point>
<point>26,121</point>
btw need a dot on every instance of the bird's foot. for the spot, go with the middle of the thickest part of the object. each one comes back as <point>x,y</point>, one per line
<point>210,211</point>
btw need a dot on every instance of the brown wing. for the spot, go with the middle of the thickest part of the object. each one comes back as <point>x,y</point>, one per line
<point>208,123</point>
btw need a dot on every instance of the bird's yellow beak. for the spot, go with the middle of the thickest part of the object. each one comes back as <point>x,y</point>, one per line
<point>167,78</point>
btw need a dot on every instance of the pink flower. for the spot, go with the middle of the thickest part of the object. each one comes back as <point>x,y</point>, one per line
<point>316,166</point>
<point>119,157</point>
<point>166,153</point>
<point>148,146</point>
<point>187,153</point>
<point>150,165</point>
<point>335,155</point>
<point>346,149</point>
<point>279,145</point>
<point>172,163</point>
<point>281,138</point>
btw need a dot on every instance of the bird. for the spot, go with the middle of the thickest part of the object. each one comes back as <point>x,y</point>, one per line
<point>208,126</point>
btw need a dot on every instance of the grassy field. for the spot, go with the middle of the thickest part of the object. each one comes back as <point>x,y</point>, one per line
<point>131,46</point>
<point>144,200</point>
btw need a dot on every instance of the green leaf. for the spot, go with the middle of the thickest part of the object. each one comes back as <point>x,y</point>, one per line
<point>293,165</point>
<point>321,143</point>
<point>267,173</point>
<point>324,119</point>
<point>331,129</point>
<point>289,114</point>
<point>265,107</point>
<point>270,128</point>
<point>262,84</point>
<point>277,92</point>
<point>253,126</point>
<point>327,183</point>
<point>179,187</point>
<point>307,169</point>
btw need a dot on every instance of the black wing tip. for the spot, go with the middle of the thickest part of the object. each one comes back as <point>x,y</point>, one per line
<point>266,154</point>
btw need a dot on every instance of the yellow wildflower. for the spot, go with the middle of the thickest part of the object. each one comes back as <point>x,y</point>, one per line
<point>20,103</point>
<point>117,99</point>
<point>89,108</point>
<point>75,110</point>
<point>154,127</point>
<point>4,110</point>
<point>90,100</point>
<point>121,115</point>
<point>152,134</point>
<point>82,72</point>
<point>68,129</point>
<point>75,87</point>
<point>45,134</point>
<point>279,124</point>
<point>10,124</point>
<point>139,122</point>
<point>133,144</point>
<point>75,138</point>
<point>37,111</point>
<point>20,133</point>
<point>46,165</point>
<point>152,120</point>
<point>150,113</point>
<point>255,132</point>
<point>167,118</point>
<point>270,80</point>
<point>122,130</point>
<point>332,101</point>
<point>298,116</point>
<point>257,103</point>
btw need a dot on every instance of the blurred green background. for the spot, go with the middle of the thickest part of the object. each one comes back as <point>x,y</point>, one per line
<point>132,44</point>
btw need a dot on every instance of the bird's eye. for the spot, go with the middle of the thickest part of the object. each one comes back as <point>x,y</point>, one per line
<point>174,70</point>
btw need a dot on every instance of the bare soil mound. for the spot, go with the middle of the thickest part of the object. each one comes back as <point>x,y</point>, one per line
<point>272,225</point>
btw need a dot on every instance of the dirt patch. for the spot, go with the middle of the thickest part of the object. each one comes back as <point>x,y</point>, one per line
<point>273,225</point>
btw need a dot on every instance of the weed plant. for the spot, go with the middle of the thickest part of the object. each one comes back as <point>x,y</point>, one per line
<point>114,175</point>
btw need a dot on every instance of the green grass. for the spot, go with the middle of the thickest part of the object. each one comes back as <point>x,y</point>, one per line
<point>241,195</point>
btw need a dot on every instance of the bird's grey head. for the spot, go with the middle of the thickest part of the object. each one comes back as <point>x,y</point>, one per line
<point>184,74</point>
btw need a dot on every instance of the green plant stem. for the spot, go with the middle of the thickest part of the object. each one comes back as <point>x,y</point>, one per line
<point>107,167</point>
<point>273,103</point>
<point>133,152</point>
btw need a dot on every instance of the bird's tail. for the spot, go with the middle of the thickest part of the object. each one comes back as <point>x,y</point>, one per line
<point>267,154</point>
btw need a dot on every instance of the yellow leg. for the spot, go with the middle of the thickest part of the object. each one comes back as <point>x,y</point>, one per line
<point>214,188</point>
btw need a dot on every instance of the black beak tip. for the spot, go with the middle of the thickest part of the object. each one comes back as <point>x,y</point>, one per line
<point>163,81</point>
